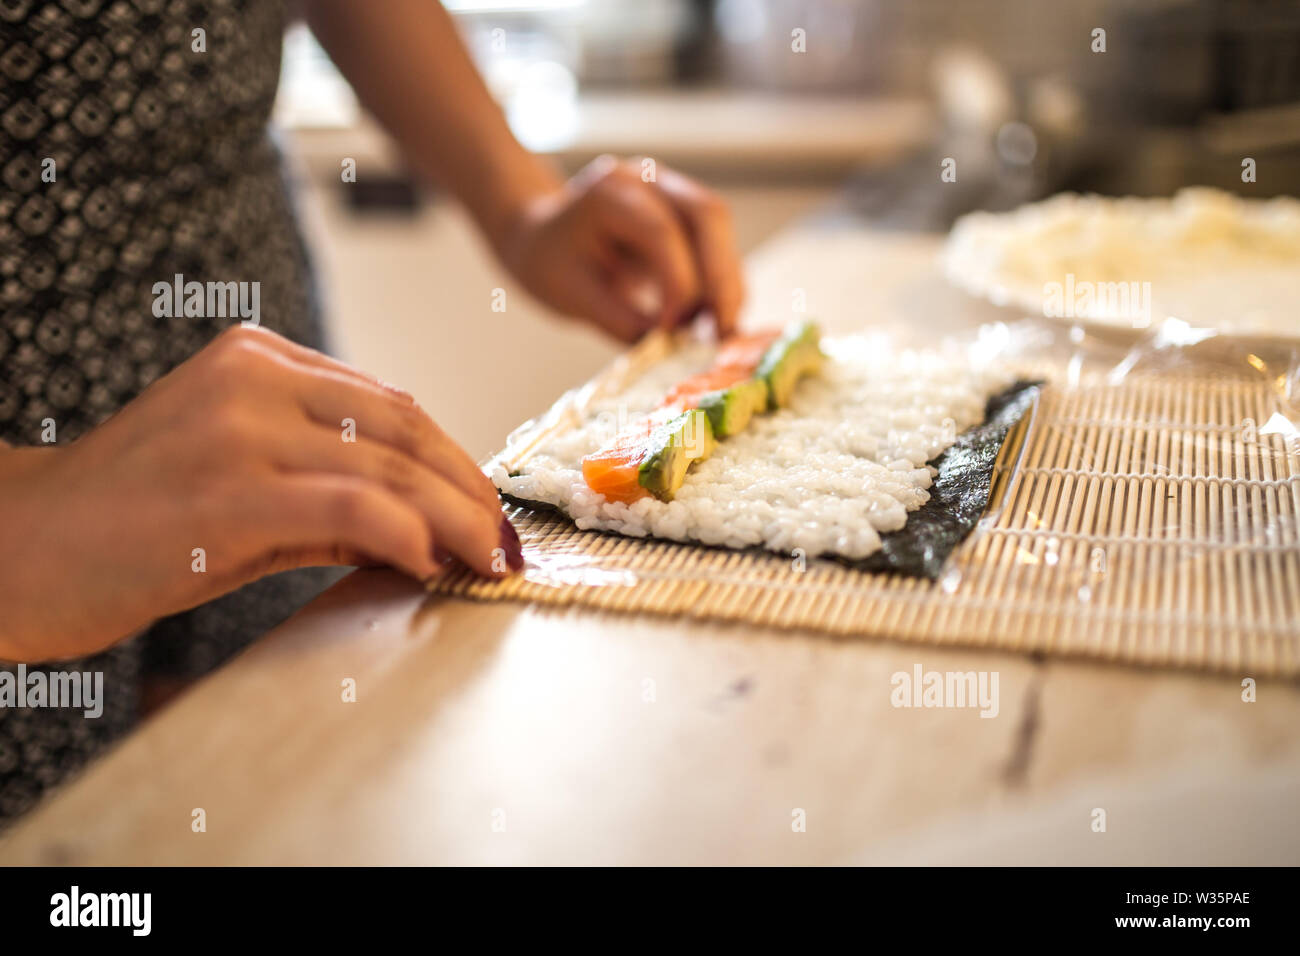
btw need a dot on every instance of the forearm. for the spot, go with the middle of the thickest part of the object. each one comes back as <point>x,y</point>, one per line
<point>23,537</point>
<point>409,68</point>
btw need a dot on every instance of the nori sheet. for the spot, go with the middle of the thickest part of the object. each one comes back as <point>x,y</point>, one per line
<point>958,496</point>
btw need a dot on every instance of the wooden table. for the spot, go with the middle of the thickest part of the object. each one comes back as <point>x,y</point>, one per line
<point>499,733</point>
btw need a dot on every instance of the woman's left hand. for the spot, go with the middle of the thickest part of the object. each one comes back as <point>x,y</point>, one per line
<point>627,246</point>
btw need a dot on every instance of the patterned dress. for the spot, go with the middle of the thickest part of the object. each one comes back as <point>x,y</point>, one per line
<point>133,147</point>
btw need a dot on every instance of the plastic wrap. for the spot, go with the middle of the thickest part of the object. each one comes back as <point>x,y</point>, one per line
<point>1146,508</point>
<point>1162,483</point>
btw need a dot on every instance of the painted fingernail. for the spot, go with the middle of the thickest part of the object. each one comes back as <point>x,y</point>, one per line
<point>514,551</point>
<point>437,566</point>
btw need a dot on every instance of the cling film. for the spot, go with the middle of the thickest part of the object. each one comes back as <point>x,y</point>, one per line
<point>1128,496</point>
<point>1158,481</point>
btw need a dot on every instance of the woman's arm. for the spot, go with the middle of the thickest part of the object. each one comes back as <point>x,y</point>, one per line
<point>408,65</point>
<point>255,456</point>
<point>587,248</point>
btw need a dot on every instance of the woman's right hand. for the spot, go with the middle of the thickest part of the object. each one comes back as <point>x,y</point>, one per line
<point>244,452</point>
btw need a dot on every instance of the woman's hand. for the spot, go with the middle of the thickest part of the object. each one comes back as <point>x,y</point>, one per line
<point>594,247</point>
<point>589,249</point>
<point>255,456</point>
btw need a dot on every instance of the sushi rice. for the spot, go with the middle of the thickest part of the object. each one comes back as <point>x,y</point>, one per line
<point>845,462</point>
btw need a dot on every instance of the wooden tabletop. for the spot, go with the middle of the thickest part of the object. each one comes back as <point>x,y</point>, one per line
<point>510,734</point>
<point>506,733</point>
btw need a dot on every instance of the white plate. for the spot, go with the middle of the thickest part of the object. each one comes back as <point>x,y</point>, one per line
<point>1210,259</point>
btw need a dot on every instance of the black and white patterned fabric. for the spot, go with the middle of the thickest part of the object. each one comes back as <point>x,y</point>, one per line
<point>161,165</point>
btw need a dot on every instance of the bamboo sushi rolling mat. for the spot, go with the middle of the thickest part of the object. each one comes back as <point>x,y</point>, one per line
<point>1137,523</point>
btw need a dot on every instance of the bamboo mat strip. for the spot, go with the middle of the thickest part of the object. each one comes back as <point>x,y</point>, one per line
<point>1142,523</point>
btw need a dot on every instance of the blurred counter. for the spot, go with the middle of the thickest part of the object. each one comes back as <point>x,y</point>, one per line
<point>721,134</point>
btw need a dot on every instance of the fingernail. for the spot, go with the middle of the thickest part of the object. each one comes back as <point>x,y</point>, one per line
<point>514,551</point>
<point>437,567</point>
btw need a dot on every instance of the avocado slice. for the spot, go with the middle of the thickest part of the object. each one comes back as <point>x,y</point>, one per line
<point>730,409</point>
<point>793,355</point>
<point>674,446</point>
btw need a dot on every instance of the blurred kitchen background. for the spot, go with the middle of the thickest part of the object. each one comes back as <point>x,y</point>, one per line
<point>848,132</point>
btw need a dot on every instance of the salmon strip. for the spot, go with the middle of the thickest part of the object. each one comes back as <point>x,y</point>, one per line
<point>615,470</point>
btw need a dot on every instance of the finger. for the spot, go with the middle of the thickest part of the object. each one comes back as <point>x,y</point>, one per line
<point>318,556</point>
<point>646,225</point>
<point>342,515</point>
<point>714,244</point>
<point>604,165</point>
<point>636,287</point>
<point>472,534</point>
<point>390,416</point>
<point>318,359</point>
<point>602,299</point>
